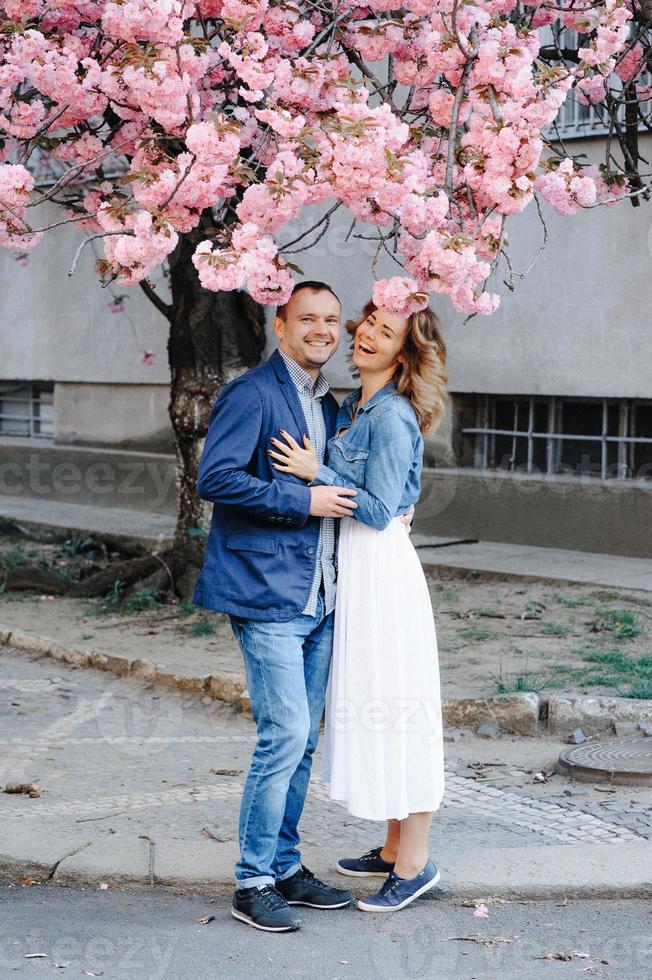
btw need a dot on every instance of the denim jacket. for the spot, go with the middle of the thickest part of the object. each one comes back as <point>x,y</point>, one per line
<point>380,455</point>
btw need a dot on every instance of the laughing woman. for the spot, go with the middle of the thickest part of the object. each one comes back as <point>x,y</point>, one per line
<point>383,742</point>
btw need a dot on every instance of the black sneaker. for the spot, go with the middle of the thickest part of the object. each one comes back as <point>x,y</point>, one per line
<point>370,865</point>
<point>264,908</point>
<point>304,889</point>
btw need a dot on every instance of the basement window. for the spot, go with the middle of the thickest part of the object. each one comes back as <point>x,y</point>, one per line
<point>27,409</point>
<point>606,438</point>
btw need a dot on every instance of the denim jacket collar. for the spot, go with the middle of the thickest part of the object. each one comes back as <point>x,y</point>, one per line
<point>376,398</point>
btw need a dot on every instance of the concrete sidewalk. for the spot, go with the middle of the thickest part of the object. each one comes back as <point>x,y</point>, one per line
<point>156,530</point>
<point>614,571</point>
<point>141,787</point>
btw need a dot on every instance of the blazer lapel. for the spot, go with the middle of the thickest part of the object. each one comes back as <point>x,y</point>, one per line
<point>289,393</point>
<point>330,411</point>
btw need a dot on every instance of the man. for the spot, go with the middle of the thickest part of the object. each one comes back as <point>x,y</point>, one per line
<point>270,564</point>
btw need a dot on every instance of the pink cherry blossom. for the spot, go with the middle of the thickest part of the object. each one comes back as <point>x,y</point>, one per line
<point>426,122</point>
<point>399,295</point>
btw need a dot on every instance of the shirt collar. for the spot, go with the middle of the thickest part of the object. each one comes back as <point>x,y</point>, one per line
<point>379,396</point>
<point>302,380</point>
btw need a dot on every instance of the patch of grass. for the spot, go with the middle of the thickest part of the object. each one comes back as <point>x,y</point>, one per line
<point>555,629</point>
<point>73,546</point>
<point>202,628</point>
<point>571,603</point>
<point>141,601</point>
<point>87,636</point>
<point>469,634</point>
<point>110,602</point>
<point>641,692</point>
<point>621,623</point>
<point>610,668</point>
<point>612,658</point>
<point>15,557</point>
<point>186,608</point>
<point>114,600</point>
<point>523,682</point>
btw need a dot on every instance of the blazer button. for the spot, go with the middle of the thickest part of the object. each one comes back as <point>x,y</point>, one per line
<point>310,551</point>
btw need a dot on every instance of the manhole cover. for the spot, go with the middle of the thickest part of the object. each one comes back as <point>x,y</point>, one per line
<point>614,760</point>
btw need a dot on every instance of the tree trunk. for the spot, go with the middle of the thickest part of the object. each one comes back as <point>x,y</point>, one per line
<point>213,338</point>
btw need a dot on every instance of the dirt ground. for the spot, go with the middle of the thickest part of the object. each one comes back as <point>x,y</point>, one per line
<point>495,633</point>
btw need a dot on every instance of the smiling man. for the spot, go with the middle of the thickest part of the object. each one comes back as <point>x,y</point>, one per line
<point>270,564</point>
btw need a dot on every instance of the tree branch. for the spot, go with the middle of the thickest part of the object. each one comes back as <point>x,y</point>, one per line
<point>153,297</point>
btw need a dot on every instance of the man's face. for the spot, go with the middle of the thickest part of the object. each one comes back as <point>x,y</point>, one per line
<point>310,332</point>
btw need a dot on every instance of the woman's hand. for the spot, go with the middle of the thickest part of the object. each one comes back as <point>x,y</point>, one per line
<point>293,459</point>
<point>407,519</point>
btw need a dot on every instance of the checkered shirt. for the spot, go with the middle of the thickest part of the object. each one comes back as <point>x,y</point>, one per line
<point>310,395</point>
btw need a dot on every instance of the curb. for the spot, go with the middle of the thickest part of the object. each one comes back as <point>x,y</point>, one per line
<point>534,873</point>
<point>223,685</point>
<point>520,714</point>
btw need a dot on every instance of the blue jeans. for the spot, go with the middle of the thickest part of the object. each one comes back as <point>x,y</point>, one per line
<point>287,673</point>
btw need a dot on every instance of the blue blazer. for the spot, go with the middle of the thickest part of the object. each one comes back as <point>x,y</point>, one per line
<point>262,545</point>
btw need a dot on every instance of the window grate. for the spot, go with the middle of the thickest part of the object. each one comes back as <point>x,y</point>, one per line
<point>575,120</point>
<point>604,438</point>
<point>27,410</point>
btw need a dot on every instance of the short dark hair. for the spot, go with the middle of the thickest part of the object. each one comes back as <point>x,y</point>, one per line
<point>314,285</point>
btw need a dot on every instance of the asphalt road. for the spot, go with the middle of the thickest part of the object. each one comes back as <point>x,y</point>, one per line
<point>120,934</point>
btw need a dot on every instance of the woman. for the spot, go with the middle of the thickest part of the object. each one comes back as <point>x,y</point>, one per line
<point>383,740</point>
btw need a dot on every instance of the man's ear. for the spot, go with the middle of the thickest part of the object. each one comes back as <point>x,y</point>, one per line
<point>278,325</point>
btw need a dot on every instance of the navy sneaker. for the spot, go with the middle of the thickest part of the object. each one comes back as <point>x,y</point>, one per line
<point>397,892</point>
<point>370,865</point>
<point>264,908</point>
<point>304,889</point>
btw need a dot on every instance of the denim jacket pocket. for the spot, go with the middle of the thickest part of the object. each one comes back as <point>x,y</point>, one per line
<point>352,453</point>
<point>353,459</point>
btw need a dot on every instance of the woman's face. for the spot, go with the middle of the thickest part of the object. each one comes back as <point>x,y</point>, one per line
<point>378,341</point>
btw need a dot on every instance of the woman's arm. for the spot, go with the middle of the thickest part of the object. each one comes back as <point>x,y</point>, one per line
<point>390,457</point>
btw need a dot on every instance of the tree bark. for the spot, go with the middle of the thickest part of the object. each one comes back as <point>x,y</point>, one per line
<point>213,338</point>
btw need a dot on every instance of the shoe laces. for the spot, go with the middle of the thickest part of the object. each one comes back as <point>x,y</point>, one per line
<point>272,899</point>
<point>372,855</point>
<point>312,879</point>
<point>389,885</point>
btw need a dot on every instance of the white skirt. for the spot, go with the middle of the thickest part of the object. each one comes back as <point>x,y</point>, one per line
<point>383,743</point>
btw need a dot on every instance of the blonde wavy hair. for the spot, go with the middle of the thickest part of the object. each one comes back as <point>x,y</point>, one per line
<point>423,377</point>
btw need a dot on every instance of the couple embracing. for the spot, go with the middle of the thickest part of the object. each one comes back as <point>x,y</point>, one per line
<point>309,554</point>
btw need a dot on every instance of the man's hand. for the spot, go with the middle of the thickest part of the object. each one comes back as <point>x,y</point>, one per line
<point>332,502</point>
<point>406,519</point>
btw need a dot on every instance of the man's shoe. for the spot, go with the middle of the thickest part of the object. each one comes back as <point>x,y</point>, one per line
<point>370,865</point>
<point>263,908</point>
<point>304,889</point>
<point>397,892</point>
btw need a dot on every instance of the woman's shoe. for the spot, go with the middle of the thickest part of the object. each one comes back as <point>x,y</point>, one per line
<point>397,892</point>
<point>370,865</point>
